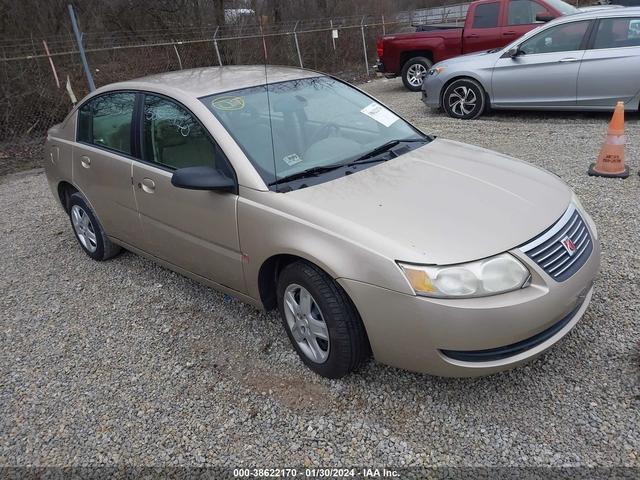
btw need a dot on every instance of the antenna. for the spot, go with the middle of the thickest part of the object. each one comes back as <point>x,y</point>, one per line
<point>266,85</point>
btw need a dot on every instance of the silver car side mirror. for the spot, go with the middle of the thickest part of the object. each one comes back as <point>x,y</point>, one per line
<point>513,52</point>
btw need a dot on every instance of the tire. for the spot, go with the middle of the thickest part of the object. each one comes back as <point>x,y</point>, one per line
<point>454,103</point>
<point>346,347</point>
<point>411,69</point>
<point>88,231</point>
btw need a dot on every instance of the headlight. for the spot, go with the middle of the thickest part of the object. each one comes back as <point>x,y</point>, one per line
<point>435,71</point>
<point>499,274</point>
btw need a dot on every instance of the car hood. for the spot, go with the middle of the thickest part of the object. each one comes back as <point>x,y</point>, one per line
<point>472,58</point>
<point>444,203</point>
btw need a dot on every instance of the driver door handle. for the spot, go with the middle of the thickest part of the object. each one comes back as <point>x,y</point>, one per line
<point>147,185</point>
<point>509,34</point>
<point>567,60</point>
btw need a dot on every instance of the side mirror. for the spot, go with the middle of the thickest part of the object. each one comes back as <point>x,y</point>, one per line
<point>513,52</point>
<point>544,17</point>
<point>203,178</point>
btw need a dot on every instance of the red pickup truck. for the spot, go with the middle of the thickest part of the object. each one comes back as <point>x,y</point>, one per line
<point>488,24</point>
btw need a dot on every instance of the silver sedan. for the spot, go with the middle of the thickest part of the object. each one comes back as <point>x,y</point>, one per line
<point>586,61</point>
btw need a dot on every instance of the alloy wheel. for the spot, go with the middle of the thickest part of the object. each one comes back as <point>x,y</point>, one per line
<point>306,323</point>
<point>462,100</point>
<point>84,228</point>
<point>415,74</point>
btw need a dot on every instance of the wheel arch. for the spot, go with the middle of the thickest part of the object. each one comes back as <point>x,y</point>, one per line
<point>65,190</point>
<point>465,77</point>
<point>409,54</point>
<point>271,268</point>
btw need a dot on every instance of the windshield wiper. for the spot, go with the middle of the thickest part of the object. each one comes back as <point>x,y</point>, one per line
<point>385,147</point>
<point>315,171</point>
<point>309,172</point>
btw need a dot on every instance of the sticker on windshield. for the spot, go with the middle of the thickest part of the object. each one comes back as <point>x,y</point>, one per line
<point>380,114</point>
<point>228,103</point>
<point>292,159</point>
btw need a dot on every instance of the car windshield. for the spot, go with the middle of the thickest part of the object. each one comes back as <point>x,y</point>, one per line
<point>308,125</point>
<point>563,7</point>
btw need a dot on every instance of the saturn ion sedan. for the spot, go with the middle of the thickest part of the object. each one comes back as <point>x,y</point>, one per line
<point>586,61</point>
<point>290,189</point>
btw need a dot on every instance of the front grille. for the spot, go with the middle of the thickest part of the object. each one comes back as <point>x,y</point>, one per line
<point>551,249</point>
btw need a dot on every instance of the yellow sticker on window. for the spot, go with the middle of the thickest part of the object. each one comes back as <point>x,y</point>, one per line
<point>228,103</point>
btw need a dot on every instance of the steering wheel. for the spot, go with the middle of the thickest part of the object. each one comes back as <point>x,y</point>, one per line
<point>327,130</point>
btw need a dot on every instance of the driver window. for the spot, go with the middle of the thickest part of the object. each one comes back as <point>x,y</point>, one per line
<point>523,12</point>
<point>561,38</point>
<point>172,137</point>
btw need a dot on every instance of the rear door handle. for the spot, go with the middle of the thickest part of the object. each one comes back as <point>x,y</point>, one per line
<point>147,185</point>
<point>472,35</point>
<point>85,161</point>
<point>568,60</point>
<point>508,34</point>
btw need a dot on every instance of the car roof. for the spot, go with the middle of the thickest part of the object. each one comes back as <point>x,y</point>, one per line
<point>199,82</point>
<point>600,13</point>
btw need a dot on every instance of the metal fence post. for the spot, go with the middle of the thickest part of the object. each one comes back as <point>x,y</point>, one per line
<point>215,44</point>
<point>83,57</point>
<point>177,55</point>
<point>295,37</point>
<point>384,30</point>
<point>53,67</point>
<point>333,40</point>
<point>364,46</point>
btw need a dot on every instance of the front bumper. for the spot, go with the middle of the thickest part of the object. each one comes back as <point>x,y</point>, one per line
<point>420,333</point>
<point>432,91</point>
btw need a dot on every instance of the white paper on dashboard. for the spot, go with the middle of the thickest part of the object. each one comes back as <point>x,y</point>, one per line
<point>380,114</point>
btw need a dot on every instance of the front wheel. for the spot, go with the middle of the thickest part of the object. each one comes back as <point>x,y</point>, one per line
<point>464,99</point>
<point>413,72</point>
<point>320,321</point>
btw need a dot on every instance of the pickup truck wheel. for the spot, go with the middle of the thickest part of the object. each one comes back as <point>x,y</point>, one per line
<point>320,320</point>
<point>413,70</point>
<point>464,99</point>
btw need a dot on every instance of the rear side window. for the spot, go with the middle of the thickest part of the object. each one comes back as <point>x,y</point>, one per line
<point>523,12</point>
<point>105,121</point>
<point>618,33</point>
<point>486,15</point>
<point>174,138</point>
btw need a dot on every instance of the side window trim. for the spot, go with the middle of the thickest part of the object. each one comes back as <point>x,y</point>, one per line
<point>586,37</point>
<point>139,127</point>
<point>591,34</point>
<point>104,147</point>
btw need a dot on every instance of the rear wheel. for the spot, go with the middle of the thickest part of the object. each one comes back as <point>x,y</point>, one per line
<point>88,230</point>
<point>464,99</point>
<point>320,321</point>
<point>413,72</point>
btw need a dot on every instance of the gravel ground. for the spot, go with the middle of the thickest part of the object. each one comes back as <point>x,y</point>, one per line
<point>124,362</point>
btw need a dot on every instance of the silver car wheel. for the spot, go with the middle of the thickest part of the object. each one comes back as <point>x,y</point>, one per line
<point>84,228</point>
<point>306,323</point>
<point>462,100</point>
<point>415,74</point>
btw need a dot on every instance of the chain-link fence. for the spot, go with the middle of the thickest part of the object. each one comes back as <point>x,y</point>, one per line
<point>39,80</point>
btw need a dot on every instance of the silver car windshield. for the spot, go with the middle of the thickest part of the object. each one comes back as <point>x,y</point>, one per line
<point>306,125</point>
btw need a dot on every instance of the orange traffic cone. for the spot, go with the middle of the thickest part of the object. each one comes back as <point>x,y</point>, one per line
<point>611,159</point>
